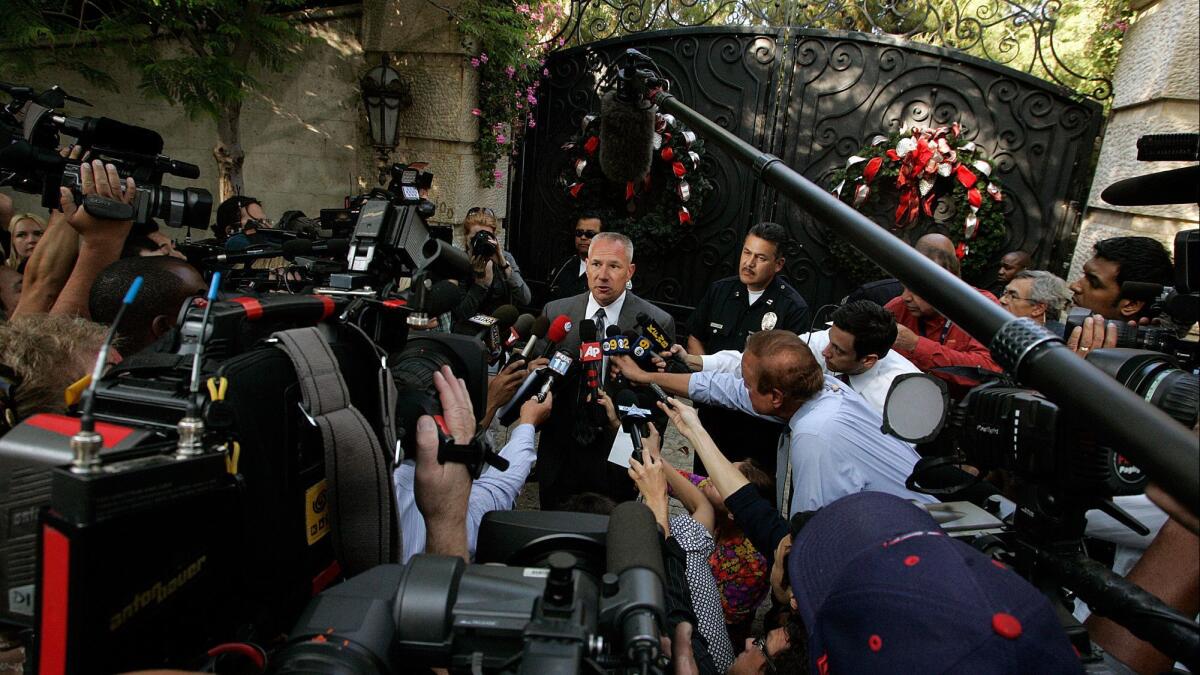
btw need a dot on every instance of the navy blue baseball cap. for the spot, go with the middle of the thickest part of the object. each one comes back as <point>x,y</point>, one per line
<point>881,588</point>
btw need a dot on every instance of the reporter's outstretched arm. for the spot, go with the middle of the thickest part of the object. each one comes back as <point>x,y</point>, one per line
<point>724,475</point>
<point>685,491</point>
<point>100,240</point>
<point>651,482</point>
<point>443,490</point>
<point>675,383</point>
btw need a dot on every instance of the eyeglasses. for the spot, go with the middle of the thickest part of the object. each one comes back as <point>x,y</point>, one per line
<point>1012,295</point>
<point>761,643</point>
<point>585,234</point>
<point>481,209</point>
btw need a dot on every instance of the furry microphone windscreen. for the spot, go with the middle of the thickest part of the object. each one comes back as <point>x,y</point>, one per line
<point>626,138</point>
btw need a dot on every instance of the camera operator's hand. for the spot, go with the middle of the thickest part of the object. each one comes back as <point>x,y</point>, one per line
<point>906,340</point>
<point>1095,333</point>
<point>484,270</point>
<point>456,405</point>
<point>97,178</point>
<point>610,412</point>
<point>625,365</point>
<point>443,490</point>
<point>535,413</point>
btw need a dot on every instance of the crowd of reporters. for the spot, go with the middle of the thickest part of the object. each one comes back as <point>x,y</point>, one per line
<point>796,500</point>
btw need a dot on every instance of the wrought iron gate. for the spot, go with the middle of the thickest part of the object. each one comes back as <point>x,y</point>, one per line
<point>812,98</point>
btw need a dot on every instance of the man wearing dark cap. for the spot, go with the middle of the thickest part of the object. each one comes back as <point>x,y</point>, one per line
<point>880,588</point>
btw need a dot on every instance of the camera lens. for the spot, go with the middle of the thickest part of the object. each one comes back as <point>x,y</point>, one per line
<point>1155,378</point>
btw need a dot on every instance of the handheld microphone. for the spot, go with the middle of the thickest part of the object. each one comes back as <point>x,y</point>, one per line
<point>651,329</point>
<point>591,358</point>
<point>521,329</point>
<point>86,443</point>
<point>1173,186</point>
<point>634,555</point>
<point>506,317</point>
<point>331,248</point>
<point>631,415</point>
<point>541,326</point>
<point>559,328</point>
<point>626,137</point>
<point>430,302</point>
<point>559,364</point>
<point>640,348</point>
<point>252,253</point>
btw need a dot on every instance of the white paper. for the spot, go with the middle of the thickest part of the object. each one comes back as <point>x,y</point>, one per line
<point>622,449</point>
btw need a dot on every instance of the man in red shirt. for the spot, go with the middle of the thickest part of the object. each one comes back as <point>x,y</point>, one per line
<point>929,339</point>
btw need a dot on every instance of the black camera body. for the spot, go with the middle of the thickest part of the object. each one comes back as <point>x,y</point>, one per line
<point>572,593</point>
<point>483,244</point>
<point>30,158</point>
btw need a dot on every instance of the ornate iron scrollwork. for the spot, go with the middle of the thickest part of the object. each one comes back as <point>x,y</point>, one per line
<point>1018,35</point>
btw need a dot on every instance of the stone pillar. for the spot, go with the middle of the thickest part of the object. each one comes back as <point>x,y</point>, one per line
<point>1156,90</point>
<point>423,45</point>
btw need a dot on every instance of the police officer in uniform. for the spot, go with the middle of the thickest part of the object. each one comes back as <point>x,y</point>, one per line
<point>733,309</point>
<point>569,279</point>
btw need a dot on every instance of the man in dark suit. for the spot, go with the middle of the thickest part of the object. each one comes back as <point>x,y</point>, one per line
<point>565,465</point>
<point>570,278</point>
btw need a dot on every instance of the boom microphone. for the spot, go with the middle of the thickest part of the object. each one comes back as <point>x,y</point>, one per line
<point>1176,186</point>
<point>557,333</point>
<point>541,326</point>
<point>330,248</point>
<point>634,553</point>
<point>626,137</point>
<point>108,133</point>
<point>252,253</point>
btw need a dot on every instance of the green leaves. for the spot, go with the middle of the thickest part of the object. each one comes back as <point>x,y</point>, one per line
<point>201,54</point>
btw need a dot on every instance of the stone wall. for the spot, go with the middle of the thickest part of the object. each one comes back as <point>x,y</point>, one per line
<point>420,38</point>
<point>1156,89</point>
<point>304,130</point>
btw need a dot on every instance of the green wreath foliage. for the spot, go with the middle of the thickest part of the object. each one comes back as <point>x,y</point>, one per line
<point>950,207</point>
<point>652,212</point>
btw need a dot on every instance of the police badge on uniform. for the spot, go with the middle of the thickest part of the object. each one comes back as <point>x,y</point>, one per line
<point>769,320</point>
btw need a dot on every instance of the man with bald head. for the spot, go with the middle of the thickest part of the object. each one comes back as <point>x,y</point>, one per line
<point>836,447</point>
<point>1012,264</point>
<point>929,339</point>
<point>167,284</point>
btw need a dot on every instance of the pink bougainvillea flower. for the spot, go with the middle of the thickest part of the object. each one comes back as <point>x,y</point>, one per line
<point>546,72</point>
<point>510,71</point>
<point>497,174</point>
<point>501,139</point>
<point>474,63</point>
<point>483,57</point>
<point>476,112</point>
<point>532,123</point>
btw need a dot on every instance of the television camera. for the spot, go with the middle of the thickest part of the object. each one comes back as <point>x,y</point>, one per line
<point>30,130</point>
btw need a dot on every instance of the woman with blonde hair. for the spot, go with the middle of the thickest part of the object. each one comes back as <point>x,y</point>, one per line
<point>25,229</point>
<point>498,280</point>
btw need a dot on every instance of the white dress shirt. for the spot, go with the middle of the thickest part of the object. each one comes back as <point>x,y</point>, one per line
<point>872,384</point>
<point>494,490</point>
<point>836,447</point>
<point>612,313</point>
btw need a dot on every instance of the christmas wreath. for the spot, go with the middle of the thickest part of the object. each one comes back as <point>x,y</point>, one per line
<point>924,177</point>
<point>656,211</point>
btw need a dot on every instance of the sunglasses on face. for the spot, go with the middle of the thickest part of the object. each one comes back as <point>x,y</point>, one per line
<point>585,234</point>
<point>760,642</point>
<point>481,209</point>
